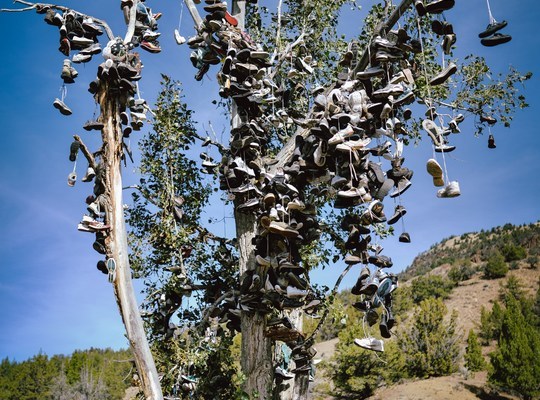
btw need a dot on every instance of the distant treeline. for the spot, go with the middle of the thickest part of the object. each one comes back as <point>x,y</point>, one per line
<point>93,374</point>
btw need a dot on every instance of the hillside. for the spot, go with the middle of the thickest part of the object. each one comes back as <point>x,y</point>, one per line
<point>475,247</point>
<point>462,257</point>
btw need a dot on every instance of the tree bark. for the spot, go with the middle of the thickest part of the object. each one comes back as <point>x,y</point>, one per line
<point>117,245</point>
<point>256,350</point>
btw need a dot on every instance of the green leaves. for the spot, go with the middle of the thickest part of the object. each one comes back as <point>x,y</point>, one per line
<point>515,363</point>
<point>430,343</point>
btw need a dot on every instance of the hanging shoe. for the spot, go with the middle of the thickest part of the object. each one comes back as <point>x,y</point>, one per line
<point>420,8</point>
<point>102,267</point>
<point>90,175</point>
<point>448,42</point>
<point>404,238</point>
<point>60,105</point>
<point>496,39</point>
<point>492,28</point>
<point>442,76</point>
<point>383,327</point>
<point>435,170</point>
<point>451,190</point>
<point>491,142</point>
<point>399,212</point>
<point>74,150</point>
<point>370,344</point>
<point>151,47</point>
<point>72,178</point>
<point>438,6</point>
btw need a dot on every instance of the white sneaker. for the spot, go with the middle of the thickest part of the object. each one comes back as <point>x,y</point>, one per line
<point>150,35</point>
<point>451,190</point>
<point>81,58</point>
<point>283,373</point>
<point>81,41</point>
<point>294,292</point>
<point>370,344</point>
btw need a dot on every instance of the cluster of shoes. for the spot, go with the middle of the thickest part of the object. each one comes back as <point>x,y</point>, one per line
<point>120,70</point>
<point>361,117</point>
<point>282,370</point>
<point>376,291</point>
<point>97,220</point>
<point>146,34</point>
<point>489,37</point>
<point>218,37</point>
<point>335,153</point>
<point>77,32</point>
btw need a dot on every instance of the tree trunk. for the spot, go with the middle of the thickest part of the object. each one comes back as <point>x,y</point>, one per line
<point>256,355</point>
<point>256,350</point>
<point>117,245</point>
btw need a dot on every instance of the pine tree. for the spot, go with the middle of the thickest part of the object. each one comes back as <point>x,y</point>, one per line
<point>516,365</point>
<point>474,360</point>
<point>496,266</point>
<point>430,345</point>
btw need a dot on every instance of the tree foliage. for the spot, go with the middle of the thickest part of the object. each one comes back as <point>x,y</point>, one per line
<point>431,286</point>
<point>515,362</point>
<point>84,375</point>
<point>430,345</point>
<point>179,259</point>
<point>357,372</point>
<point>474,360</point>
<point>496,266</point>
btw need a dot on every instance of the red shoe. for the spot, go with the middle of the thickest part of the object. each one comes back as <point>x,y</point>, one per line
<point>230,19</point>
<point>65,47</point>
<point>150,47</point>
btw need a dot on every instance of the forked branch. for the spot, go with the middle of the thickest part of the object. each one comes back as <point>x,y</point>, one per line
<point>86,152</point>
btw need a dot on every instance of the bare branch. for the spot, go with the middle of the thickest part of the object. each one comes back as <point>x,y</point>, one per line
<point>214,305</point>
<point>17,9</point>
<point>194,13</point>
<point>33,6</point>
<point>285,53</point>
<point>144,193</point>
<point>86,153</point>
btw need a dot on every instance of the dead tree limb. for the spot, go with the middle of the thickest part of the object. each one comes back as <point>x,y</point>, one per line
<point>89,156</point>
<point>33,6</point>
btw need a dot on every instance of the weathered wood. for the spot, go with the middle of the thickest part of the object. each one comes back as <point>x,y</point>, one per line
<point>118,247</point>
<point>256,350</point>
<point>194,13</point>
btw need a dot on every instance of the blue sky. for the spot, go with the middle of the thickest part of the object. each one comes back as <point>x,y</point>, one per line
<point>53,299</point>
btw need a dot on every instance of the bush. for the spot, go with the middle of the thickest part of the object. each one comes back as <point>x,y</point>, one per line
<point>357,372</point>
<point>533,262</point>
<point>431,286</point>
<point>515,363</point>
<point>496,266</point>
<point>474,360</point>
<point>461,273</point>
<point>430,345</point>
<point>513,253</point>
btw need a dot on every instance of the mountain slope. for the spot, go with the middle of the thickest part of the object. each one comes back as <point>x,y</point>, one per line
<point>464,258</point>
